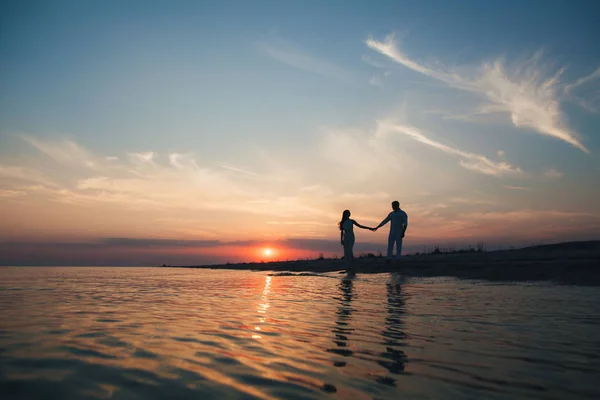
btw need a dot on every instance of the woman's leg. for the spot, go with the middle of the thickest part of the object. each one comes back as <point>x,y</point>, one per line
<point>348,247</point>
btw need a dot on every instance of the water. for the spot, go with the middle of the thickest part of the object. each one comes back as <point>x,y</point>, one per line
<point>151,333</point>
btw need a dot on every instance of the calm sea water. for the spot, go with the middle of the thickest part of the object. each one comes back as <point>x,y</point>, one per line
<point>151,333</point>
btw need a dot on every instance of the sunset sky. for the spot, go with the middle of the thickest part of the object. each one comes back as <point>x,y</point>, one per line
<point>191,132</point>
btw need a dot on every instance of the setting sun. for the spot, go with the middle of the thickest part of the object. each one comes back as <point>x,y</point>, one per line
<point>268,252</point>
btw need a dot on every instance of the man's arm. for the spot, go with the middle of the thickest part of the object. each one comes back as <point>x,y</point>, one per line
<point>405,224</point>
<point>385,221</point>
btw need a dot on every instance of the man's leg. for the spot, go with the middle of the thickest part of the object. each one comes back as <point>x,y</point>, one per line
<point>398,247</point>
<point>390,251</point>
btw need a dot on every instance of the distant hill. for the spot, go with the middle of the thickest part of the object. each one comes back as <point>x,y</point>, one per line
<point>565,246</point>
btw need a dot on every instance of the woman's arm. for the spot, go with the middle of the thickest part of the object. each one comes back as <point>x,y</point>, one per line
<point>342,237</point>
<point>361,226</point>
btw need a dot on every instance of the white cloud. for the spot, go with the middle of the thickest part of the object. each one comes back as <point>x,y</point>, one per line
<point>145,157</point>
<point>184,162</point>
<point>530,98</point>
<point>553,174</point>
<point>472,161</point>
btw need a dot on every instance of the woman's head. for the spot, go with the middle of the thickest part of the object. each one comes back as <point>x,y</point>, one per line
<point>345,216</point>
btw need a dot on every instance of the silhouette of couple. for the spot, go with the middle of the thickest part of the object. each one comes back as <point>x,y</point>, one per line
<point>399,223</point>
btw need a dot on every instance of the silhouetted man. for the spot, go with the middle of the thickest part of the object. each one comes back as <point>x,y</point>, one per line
<point>399,223</point>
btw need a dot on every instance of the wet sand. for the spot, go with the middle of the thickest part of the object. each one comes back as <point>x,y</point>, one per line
<point>567,263</point>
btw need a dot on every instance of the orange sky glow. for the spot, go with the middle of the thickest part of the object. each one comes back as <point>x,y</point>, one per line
<point>151,149</point>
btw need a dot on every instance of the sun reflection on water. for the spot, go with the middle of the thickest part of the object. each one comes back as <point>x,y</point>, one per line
<point>263,306</point>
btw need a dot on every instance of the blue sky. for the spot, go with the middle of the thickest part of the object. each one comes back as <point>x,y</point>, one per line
<point>262,121</point>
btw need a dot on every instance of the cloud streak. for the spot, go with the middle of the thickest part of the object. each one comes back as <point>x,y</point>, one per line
<point>553,174</point>
<point>151,181</point>
<point>529,98</point>
<point>64,152</point>
<point>579,82</point>
<point>471,161</point>
<point>592,101</point>
<point>291,54</point>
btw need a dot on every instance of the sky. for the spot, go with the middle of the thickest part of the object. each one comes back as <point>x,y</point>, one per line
<point>198,132</point>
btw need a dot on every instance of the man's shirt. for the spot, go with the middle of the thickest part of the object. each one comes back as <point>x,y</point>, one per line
<point>398,219</point>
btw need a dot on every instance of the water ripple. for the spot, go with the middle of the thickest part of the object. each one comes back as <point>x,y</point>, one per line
<point>153,333</point>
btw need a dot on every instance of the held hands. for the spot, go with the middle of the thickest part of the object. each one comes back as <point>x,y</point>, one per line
<point>372,229</point>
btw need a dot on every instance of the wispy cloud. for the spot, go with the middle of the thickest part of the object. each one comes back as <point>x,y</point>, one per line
<point>65,152</point>
<point>11,193</point>
<point>144,159</point>
<point>530,97</point>
<point>374,63</point>
<point>239,170</point>
<point>151,181</point>
<point>553,174</point>
<point>289,53</point>
<point>178,203</point>
<point>25,174</point>
<point>579,82</point>
<point>586,91</point>
<point>143,242</point>
<point>375,80</point>
<point>472,161</point>
<point>356,151</point>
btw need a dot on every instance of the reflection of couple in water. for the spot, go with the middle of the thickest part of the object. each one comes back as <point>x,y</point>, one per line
<point>393,339</point>
<point>399,223</point>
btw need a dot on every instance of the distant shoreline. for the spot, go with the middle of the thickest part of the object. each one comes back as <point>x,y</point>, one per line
<point>566,263</point>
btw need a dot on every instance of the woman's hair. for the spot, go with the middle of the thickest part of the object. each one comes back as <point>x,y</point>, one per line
<point>345,216</point>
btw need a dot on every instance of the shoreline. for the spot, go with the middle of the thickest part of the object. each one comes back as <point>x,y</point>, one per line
<point>575,263</point>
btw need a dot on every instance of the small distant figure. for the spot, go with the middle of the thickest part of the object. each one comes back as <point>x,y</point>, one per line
<point>398,227</point>
<point>347,236</point>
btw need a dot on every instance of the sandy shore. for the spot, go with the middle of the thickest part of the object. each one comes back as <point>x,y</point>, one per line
<point>567,263</point>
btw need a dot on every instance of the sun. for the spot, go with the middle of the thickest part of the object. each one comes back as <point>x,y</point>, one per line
<point>268,252</point>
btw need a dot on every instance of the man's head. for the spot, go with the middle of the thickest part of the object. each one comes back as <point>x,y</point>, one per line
<point>395,205</point>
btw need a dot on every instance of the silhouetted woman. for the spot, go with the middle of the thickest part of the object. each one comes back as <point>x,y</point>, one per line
<point>347,235</point>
